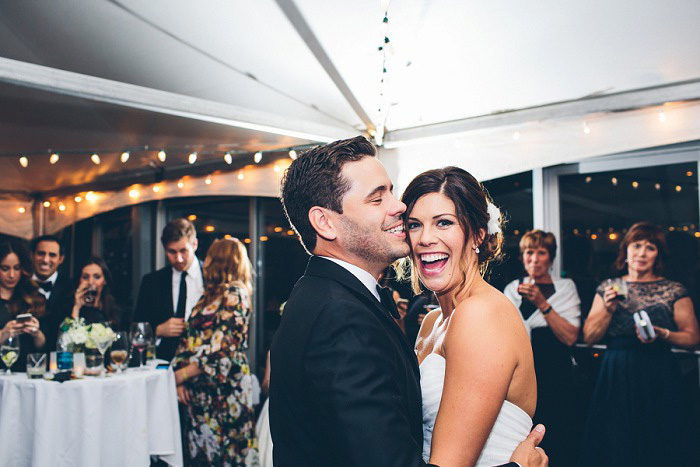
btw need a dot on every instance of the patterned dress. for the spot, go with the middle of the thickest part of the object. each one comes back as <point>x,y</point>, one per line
<point>219,427</point>
<point>640,414</point>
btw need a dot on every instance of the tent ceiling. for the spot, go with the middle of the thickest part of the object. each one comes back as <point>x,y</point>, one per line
<point>452,60</point>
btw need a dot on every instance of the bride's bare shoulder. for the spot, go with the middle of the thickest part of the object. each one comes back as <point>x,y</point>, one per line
<point>488,311</point>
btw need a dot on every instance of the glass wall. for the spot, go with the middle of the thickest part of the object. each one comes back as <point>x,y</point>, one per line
<point>513,195</point>
<point>597,209</point>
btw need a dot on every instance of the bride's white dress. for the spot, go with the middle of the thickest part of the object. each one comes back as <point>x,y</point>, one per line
<point>511,427</point>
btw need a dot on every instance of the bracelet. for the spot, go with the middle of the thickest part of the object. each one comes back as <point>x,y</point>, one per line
<point>184,374</point>
<point>546,310</point>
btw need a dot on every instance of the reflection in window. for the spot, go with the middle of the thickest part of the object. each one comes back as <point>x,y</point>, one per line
<point>513,195</point>
<point>597,209</point>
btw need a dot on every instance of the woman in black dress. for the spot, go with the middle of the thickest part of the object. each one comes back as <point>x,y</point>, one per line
<point>19,295</point>
<point>639,414</point>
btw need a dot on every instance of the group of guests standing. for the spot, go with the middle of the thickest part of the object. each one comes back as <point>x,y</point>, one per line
<point>199,312</point>
<point>639,413</point>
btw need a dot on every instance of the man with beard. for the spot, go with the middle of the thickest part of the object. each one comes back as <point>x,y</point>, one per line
<point>344,385</point>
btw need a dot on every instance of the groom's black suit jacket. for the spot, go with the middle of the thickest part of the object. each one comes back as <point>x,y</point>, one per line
<point>154,305</point>
<point>344,388</point>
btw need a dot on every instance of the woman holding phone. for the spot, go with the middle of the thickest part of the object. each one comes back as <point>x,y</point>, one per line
<point>639,413</point>
<point>20,303</point>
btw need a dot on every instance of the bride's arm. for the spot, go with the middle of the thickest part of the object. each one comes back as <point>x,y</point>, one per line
<point>479,367</point>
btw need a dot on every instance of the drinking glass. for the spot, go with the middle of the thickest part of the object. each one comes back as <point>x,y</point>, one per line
<point>102,345</point>
<point>9,352</point>
<point>619,285</point>
<point>140,335</point>
<point>36,365</point>
<point>119,355</point>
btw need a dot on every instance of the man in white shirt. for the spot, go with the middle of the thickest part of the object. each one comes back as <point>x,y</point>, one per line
<point>167,296</point>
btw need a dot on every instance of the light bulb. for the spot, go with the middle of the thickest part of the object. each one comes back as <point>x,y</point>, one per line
<point>162,155</point>
<point>21,210</point>
<point>47,204</point>
<point>90,196</point>
<point>193,158</point>
<point>156,188</point>
<point>181,184</point>
<point>61,207</point>
<point>133,193</point>
<point>241,176</point>
<point>277,168</point>
<point>54,158</point>
<point>228,158</point>
<point>208,180</point>
<point>78,199</point>
<point>293,155</point>
<point>124,157</point>
<point>95,159</point>
<point>23,161</point>
<point>257,157</point>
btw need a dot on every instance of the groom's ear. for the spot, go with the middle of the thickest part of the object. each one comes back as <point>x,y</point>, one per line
<point>323,222</point>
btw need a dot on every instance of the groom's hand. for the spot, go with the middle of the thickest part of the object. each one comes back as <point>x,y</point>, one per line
<point>527,454</point>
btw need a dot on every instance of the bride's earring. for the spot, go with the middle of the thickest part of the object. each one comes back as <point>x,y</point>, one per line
<point>476,250</point>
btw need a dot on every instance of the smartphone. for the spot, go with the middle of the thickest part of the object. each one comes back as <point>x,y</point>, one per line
<point>162,366</point>
<point>402,300</point>
<point>23,318</point>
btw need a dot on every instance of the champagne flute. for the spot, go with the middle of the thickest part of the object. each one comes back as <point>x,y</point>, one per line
<point>140,335</point>
<point>9,352</point>
<point>120,351</point>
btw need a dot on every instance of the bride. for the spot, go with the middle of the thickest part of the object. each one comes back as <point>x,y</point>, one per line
<point>477,373</point>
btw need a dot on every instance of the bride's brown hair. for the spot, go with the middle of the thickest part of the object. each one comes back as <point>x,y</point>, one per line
<point>471,207</point>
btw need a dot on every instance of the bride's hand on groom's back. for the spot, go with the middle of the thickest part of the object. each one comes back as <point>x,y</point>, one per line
<point>527,454</point>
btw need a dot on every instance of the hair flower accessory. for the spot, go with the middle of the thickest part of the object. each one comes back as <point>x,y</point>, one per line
<point>494,215</point>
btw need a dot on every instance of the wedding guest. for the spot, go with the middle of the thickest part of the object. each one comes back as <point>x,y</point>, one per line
<point>167,296</point>
<point>93,298</point>
<point>19,296</point>
<point>47,255</point>
<point>639,414</point>
<point>211,367</point>
<point>550,307</point>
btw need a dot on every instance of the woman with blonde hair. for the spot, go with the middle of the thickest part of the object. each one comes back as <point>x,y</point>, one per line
<point>212,373</point>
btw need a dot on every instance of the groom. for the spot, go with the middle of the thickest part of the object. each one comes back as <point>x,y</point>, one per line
<point>345,388</point>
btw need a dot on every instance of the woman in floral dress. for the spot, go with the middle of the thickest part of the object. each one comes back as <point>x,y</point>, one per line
<point>212,374</point>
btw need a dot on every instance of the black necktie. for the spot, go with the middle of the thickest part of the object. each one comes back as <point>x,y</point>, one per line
<point>46,286</point>
<point>388,301</point>
<point>182,296</point>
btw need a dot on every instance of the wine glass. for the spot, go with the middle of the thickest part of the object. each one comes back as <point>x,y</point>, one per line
<point>140,335</point>
<point>9,352</point>
<point>120,351</point>
<point>102,343</point>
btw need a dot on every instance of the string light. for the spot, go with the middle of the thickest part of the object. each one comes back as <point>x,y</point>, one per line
<point>588,179</point>
<point>290,232</point>
<point>208,228</point>
<point>293,155</point>
<point>263,238</point>
<point>246,240</point>
<point>208,180</point>
<point>90,196</point>
<point>678,188</point>
<point>657,186</point>
<point>156,188</point>
<point>133,193</point>
<point>192,217</point>
<point>612,236</point>
<point>47,204</point>
<point>61,207</point>
<point>23,161</point>
<point>277,168</point>
<point>21,210</point>
<point>124,157</point>
<point>192,158</point>
<point>162,155</point>
<point>594,237</point>
<point>240,175</point>
<point>689,173</point>
<point>614,181</point>
<point>278,229</point>
<point>228,158</point>
<point>95,159</point>
<point>662,116</point>
<point>635,184</point>
<point>228,236</point>
<point>257,157</point>
<point>181,184</point>
<point>78,199</point>
<point>53,158</point>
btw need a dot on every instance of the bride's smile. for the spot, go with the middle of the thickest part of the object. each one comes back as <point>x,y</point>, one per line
<point>437,241</point>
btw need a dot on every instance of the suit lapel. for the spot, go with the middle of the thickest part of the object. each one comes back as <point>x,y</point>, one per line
<point>167,287</point>
<point>324,268</point>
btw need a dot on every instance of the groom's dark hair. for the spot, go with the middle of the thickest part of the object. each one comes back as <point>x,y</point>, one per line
<point>314,179</point>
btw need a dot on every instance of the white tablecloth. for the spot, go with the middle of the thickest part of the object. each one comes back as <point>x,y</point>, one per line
<point>119,420</point>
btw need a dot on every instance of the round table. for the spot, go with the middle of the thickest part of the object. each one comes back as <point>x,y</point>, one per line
<point>118,420</point>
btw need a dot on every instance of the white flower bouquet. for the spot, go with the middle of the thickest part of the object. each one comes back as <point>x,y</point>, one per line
<point>74,334</point>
